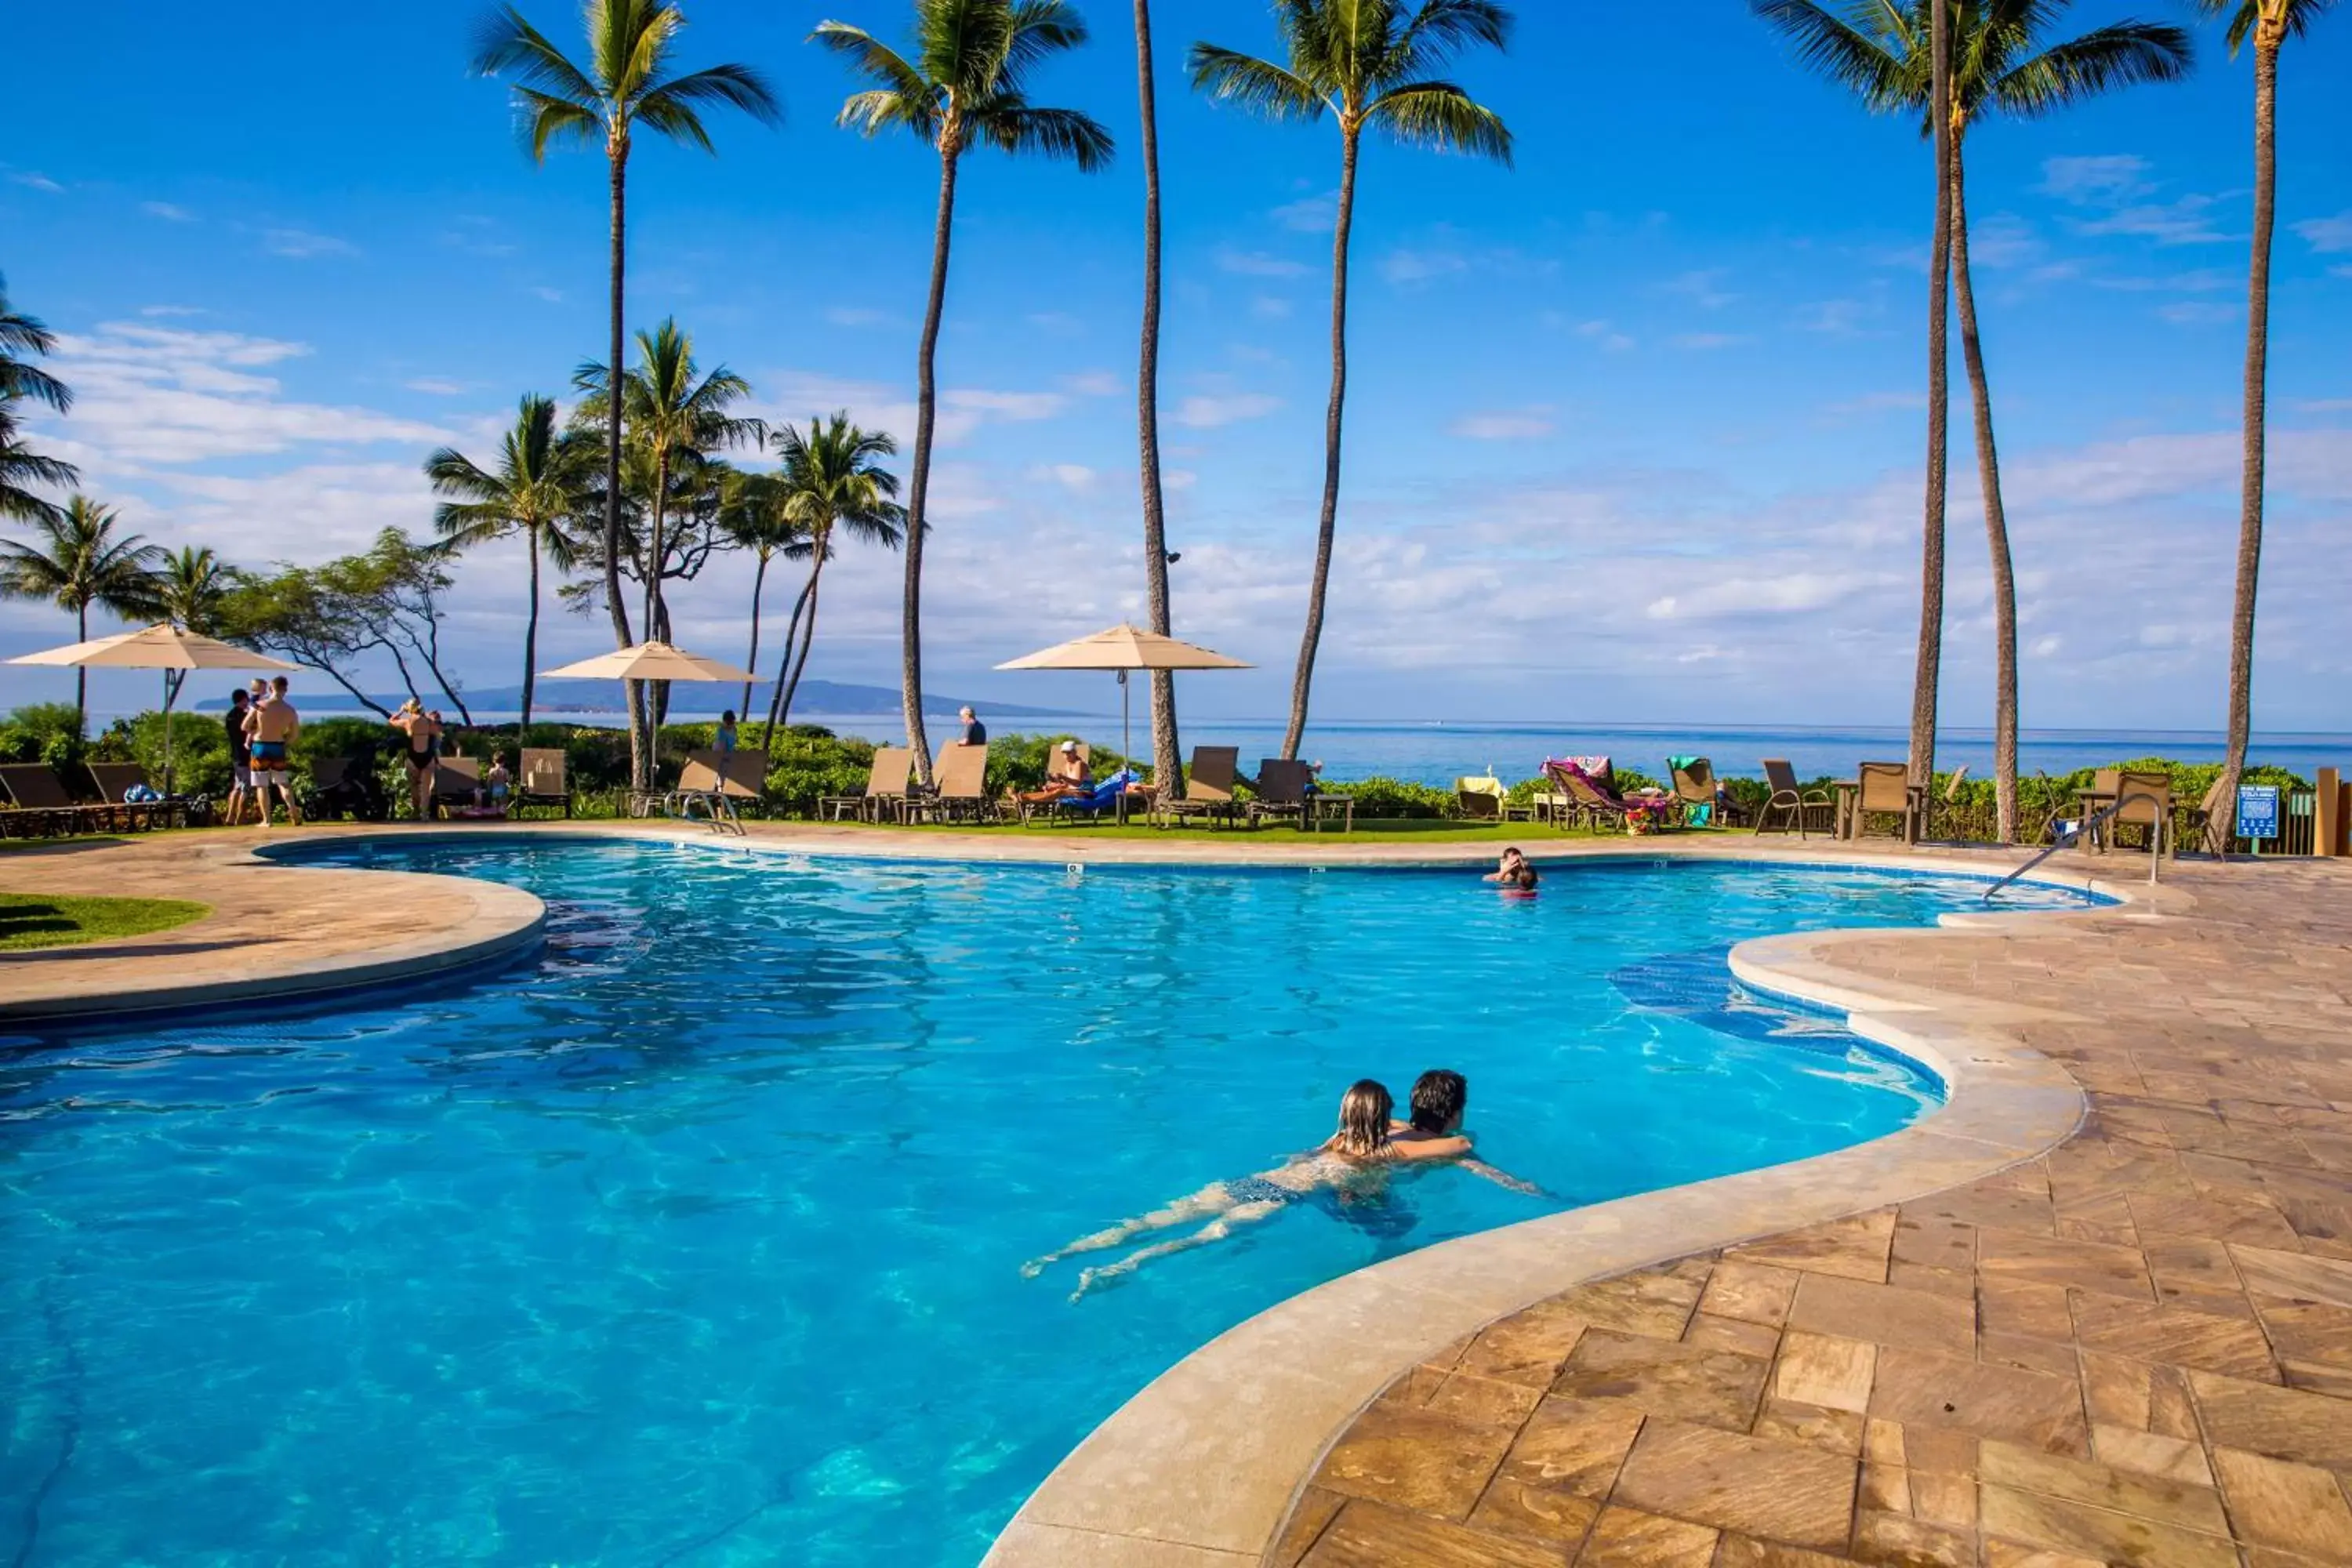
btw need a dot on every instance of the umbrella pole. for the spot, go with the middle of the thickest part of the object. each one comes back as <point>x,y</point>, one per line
<point>167,732</point>
<point>1126,740</point>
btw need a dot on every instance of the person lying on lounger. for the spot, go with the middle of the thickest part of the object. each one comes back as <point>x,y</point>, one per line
<point>1067,775</point>
<point>1347,1162</point>
<point>1440,1098</point>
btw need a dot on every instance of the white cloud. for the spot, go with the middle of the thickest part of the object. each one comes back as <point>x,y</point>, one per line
<point>1605,334</point>
<point>857,316</point>
<point>1309,215</point>
<point>1018,405</point>
<point>1269,307</point>
<point>1505,425</point>
<point>2328,236</point>
<point>172,310</point>
<point>2003,240</point>
<point>36,182</point>
<point>435,386</point>
<point>2117,185</point>
<point>552,296</point>
<point>167,211</point>
<point>1401,267</point>
<point>1258,264</point>
<point>1705,340</point>
<point>2198,312</point>
<point>1837,318</point>
<point>304,245</point>
<point>1095,384</point>
<point>1206,412</point>
<point>1877,403</point>
<point>1076,478</point>
<point>1702,287</point>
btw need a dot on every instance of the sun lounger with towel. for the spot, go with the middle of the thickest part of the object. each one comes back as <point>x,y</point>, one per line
<point>1591,803</point>
<point>543,781</point>
<point>1089,805</point>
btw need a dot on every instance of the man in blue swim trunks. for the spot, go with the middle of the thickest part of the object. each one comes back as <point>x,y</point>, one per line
<point>272,725</point>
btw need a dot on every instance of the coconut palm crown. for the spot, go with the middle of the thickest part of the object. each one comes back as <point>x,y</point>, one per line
<point>80,561</point>
<point>833,484</point>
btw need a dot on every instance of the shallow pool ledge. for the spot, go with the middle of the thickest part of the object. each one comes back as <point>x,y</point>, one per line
<point>1203,1467</point>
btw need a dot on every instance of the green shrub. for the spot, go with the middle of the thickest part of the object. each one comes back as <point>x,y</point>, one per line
<point>1381,796</point>
<point>199,751</point>
<point>44,732</point>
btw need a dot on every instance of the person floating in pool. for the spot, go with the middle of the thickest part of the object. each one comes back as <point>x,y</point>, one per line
<point>1507,870</point>
<point>1440,1098</point>
<point>1347,1162</point>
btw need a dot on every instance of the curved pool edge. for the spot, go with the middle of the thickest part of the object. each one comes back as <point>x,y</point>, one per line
<point>1204,1465</point>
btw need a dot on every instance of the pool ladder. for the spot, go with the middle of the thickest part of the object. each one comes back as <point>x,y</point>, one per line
<point>2090,824</point>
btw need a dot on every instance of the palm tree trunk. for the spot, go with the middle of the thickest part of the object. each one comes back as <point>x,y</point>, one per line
<point>530,634</point>
<point>2004,576</point>
<point>81,675</point>
<point>640,768</point>
<point>656,612</point>
<point>752,659</point>
<point>1167,752</point>
<point>1308,643</point>
<point>1928,671</point>
<point>784,665</point>
<point>658,691</point>
<point>2268,36</point>
<point>911,650</point>
<point>808,638</point>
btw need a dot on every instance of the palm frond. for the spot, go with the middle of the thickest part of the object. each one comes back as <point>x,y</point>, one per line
<point>1041,30</point>
<point>451,472</point>
<point>507,45</point>
<point>1442,29</point>
<point>1055,133</point>
<point>1841,49</point>
<point>728,86</point>
<point>544,120</point>
<point>1440,115</point>
<point>1230,75</point>
<point>22,381</point>
<point>2120,56</point>
<point>632,43</point>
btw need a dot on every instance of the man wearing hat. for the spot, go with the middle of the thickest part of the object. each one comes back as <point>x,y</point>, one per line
<point>1067,774</point>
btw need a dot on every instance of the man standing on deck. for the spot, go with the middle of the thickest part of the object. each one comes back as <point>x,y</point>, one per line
<point>272,725</point>
<point>975,734</point>
<point>240,757</point>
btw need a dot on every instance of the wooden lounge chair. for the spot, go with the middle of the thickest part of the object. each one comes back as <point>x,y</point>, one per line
<point>541,781</point>
<point>1695,785</point>
<point>1590,803</point>
<point>1885,789</point>
<point>455,780</point>
<point>1209,790</point>
<point>2144,801</point>
<point>1285,789</point>
<point>115,781</point>
<point>43,807</point>
<point>1789,805</point>
<point>885,787</point>
<point>1478,799</point>
<point>961,791</point>
<point>2204,820</point>
<point>713,783</point>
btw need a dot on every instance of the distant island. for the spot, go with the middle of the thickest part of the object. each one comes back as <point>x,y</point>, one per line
<point>814,699</point>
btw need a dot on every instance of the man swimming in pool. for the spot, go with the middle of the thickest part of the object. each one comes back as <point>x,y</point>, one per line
<point>1350,1160</point>
<point>1440,1098</point>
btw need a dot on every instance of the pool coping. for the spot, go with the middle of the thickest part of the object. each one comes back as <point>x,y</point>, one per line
<point>1203,1468</point>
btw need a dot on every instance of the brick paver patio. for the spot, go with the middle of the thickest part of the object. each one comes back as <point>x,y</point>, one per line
<point>2137,1350</point>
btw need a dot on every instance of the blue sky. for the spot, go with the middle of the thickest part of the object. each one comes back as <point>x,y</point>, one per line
<point>1634,428</point>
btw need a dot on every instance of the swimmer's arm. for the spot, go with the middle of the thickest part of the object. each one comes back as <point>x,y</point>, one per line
<point>1431,1148</point>
<point>1502,1178</point>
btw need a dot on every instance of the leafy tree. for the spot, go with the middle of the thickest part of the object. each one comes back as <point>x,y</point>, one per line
<point>2002,64</point>
<point>386,599</point>
<point>1368,64</point>
<point>2269,23</point>
<point>963,85</point>
<point>625,86</point>
<point>22,337</point>
<point>532,489</point>
<point>79,560</point>
<point>833,484</point>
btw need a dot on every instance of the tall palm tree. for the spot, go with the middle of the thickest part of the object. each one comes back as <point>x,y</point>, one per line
<point>964,85</point>
<point>1368,63</point>
<point>674,417</point>
<point>2269,23</point>
<point>1167,752</point>
<point>190,587</point>
<point>533,487</point>
<point>2000,64</point>
<point>625,87</point>
<point>752,516</point>
<point>21,338</point>
<point>80,561</point>
<point>834,484</point>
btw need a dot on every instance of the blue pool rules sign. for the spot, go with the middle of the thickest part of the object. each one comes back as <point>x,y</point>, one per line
<point>2258,811</point>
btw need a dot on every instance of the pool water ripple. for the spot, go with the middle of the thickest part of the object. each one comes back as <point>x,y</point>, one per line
<point>697,1236</point>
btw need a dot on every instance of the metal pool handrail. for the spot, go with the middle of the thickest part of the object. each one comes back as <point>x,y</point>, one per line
<point>2155,848</point>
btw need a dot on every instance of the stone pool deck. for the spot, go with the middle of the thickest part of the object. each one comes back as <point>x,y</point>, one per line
<point>2098,1311</point>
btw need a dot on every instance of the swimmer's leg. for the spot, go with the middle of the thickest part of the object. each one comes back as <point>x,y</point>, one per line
<point>1217,1229</point>
<point>1212,1199</point>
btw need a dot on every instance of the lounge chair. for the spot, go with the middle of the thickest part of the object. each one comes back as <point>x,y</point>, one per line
<point>713,781</point>
<point>342,786</point>
<point>115,781</point>
<point>42,807</point>
<point>455,780</point>
<point>885,787</point>
<point>961,790</point>
<point>1104,797</point>
<point>1480,799</point>
<point>1591,804</point>
<point>1704,799</point>
<point>1285,787</point>
<point>1789,805</point>
<point>1885,789</point>
<point>1209,790</point>
<point>2204,820</point>
<point>543,781</point>
<point>2144,800</point>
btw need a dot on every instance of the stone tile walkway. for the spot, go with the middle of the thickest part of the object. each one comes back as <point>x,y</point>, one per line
<point>2137,1350</point>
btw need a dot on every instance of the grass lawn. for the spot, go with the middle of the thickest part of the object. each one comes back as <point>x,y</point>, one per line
<point>43,920</point>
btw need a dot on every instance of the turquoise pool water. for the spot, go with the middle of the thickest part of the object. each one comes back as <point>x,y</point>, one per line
<point>696,1238</point>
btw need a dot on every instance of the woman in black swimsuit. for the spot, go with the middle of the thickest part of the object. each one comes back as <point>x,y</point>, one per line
<point>423,750</point>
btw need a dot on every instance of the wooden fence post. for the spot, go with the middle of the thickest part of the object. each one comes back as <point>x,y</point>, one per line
<point>2329,811</point>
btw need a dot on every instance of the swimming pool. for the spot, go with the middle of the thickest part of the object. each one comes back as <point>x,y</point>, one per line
<point>696,1238</point>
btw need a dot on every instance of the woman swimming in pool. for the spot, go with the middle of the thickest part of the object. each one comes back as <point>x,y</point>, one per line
<point>1344,1163</point>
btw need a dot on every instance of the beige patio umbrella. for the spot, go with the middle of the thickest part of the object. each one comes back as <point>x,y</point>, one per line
<point>163,646</point>
<point>1123,648</point>
<point>652,661</point>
